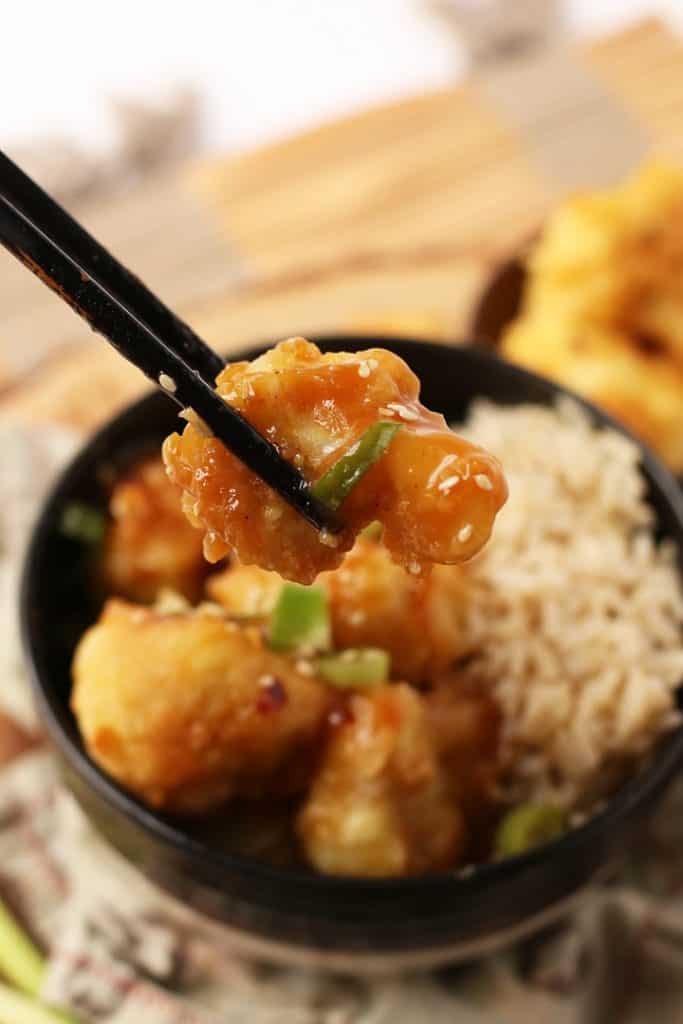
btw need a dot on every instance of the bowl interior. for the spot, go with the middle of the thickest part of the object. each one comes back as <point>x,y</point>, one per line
<point>58,601</point>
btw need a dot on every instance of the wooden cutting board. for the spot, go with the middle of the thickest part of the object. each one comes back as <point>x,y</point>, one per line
<point>387,221</point>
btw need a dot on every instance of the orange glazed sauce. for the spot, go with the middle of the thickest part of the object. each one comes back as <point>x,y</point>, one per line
<point>436,494</point>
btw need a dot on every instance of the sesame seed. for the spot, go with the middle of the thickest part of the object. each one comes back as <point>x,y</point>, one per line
<point>266,680</point>
<point>328,539</point>
<point>357,617</point>
<point>304,668</point>
<point>465,533</point>
<point>167,383</point>
<point>363,370</point>
<point>483,482</point>
<point>197,422</point>
<point>403,411</point>
<point>298,460</point>
<point>373,364</point>
<point>447,485</point>
<point>443,465</point>
<point>415,568</point>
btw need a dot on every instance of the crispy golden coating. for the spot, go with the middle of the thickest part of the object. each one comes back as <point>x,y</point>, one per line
<point>644,393</point>
<point>245,591</point>
<point>465,726</point>
<point>436,494</point>
<point>149,543</point>
<point>373,603</point>
<point>603,309</point>
<point>379,805</point>
<point>188,710</point>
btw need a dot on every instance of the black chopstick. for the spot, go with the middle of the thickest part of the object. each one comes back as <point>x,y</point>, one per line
<point>116,304</point>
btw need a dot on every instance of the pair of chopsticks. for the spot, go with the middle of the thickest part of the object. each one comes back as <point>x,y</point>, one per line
<point>116,304</point>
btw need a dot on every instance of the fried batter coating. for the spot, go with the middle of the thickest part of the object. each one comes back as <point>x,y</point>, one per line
<point>189,710</point>
<point>644,393</point>
<point>379,805</point>
<point>436,494</point>
<point>245,591</point>
<point>603,307</point>
<point>149,543</point>
<point>465,725</point>
<point>373,603</point>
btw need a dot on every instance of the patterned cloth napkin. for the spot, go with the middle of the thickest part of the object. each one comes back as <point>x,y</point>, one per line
<point>121,952</point>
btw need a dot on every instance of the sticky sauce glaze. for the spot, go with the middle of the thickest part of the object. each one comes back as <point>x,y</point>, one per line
<point>436,494</point>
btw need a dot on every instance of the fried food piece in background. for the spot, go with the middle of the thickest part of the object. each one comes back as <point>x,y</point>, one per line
<point>187,710</point>
<point>379,804</point>
<point>603,307</point>
<point>149,544</point>
<point>245,591</point>
<point>373,603</point>
<point>644,393</point>
<point>465,724</point>
<point>436,494</point>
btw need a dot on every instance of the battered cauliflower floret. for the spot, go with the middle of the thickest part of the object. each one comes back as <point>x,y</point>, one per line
<point>245,591</point>
<point>373,603</point>
<point>465,726</point>
<point>644,393</point>
<point>379,804</point>
<point>188,710</point>
<point>603,306</point>
<point>436,494</point>
<point>149,544</point>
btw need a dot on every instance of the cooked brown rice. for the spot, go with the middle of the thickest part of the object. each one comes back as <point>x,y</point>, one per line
<point>573,611</point>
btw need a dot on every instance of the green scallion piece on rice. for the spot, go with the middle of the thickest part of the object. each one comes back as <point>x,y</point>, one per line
<point>527,826</point>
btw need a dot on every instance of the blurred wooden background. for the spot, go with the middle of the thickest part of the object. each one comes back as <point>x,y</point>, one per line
<point>389,221</point>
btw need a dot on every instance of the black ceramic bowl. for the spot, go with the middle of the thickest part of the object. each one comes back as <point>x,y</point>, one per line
<point>294,914</point>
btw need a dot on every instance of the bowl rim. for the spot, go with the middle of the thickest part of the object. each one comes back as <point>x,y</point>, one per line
<point>630,798</point>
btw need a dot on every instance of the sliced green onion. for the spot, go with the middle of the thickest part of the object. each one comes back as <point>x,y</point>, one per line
<point>22,964</point>
<point>83,522</point>
<point>334,486</point>
<point>357,666</point>
<point>20,961</point>
<point>373,531</point>
<point>300,619</point>
<point>527,826</point>
<point>20,1009</point>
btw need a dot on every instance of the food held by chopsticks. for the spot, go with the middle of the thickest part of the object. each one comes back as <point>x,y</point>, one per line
<point>603,307</point>
<point>353,425</point>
